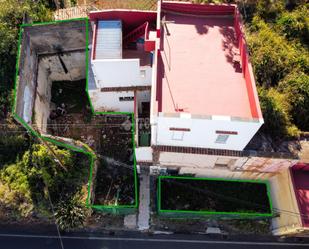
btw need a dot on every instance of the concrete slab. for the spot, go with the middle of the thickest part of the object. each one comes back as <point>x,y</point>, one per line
<point>144,200</point>
<point>130,221</point>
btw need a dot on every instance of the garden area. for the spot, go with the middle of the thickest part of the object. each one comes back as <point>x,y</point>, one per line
<point>114,180</point>
<point>211,196</point>
<point>115,188</point>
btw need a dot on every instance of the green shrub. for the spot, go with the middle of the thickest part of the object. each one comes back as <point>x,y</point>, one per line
<point>15,191</point>
<point>276,113</point>
<point>70,214</point>
<point>296,88</point>
<point>269,9</point>
<point>295,24</point>
<point>273,57</point>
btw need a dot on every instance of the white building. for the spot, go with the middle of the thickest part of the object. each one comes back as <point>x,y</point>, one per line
<point>184,72</point>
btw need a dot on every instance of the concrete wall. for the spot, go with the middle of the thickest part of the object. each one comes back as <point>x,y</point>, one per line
<point>202,132</point>
<point>146,75</point>
<point>288,220</point>
<point>26,80</point>
<point>50,70</point>
<point>109,101</point>
<point>59,37</point>
<point>38,40</point>
<point>120,73</point>
<point>42,98</point>
<point>201,162</point>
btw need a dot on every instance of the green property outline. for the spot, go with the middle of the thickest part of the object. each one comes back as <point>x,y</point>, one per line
<point>90,154</point>
<point>231,214</point>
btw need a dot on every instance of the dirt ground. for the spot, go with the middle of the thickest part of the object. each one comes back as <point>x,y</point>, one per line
<point>199,225</point>
<point>110,136</point>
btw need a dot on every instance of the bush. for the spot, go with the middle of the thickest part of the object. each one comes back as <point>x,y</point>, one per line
<point>295,24</point>
<point>15,191</point>
<point>269,9</point>
<point>296,88</point>
<point>276,115</point>
<point>272,56</point>
<point>70,214</point>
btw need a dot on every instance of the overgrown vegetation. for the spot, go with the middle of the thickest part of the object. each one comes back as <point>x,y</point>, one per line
<point>31,180</point>
<point>31,185</point>
<point>184,194</point>
<point>277,34</point>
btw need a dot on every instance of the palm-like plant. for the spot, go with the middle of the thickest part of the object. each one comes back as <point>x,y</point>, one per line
<point>70,214</point>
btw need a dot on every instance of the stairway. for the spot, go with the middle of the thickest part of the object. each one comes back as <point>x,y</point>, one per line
<point>135,34</point>
<point>108,40</point>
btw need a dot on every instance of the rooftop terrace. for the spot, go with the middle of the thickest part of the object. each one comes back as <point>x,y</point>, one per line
<point>202,71</point>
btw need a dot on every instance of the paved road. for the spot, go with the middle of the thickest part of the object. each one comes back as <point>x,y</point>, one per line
<point>9,241</point>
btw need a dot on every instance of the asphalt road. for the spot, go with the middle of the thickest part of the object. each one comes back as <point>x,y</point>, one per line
<point>10,241</point>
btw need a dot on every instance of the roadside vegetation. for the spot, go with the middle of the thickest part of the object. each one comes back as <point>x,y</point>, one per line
<point>35,184</point>
<point>32,184</point>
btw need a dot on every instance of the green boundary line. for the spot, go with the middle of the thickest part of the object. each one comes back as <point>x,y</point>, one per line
<point>230,214</point>
<point>90,154</point>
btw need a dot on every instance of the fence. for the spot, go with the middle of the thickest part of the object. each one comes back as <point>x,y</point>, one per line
<point>73,12</point>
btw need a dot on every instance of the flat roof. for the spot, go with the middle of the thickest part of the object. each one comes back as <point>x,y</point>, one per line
<point>200,75</point>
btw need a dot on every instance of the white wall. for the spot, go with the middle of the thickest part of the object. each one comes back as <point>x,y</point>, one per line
<point>202,132</point>
<point>146,79</point>
<point>109,101</point>
<point>120,73</point>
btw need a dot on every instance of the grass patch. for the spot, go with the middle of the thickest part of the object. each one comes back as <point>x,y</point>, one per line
<point>185,194</point>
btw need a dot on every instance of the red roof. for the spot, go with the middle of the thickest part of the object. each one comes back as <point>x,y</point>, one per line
<point>200,75</point>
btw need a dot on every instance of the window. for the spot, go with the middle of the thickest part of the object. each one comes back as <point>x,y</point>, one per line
<point>143,73</point>
<point>128,98</point>
<point>178,135</point>
<point>222,162</point>
<point>221,139</point>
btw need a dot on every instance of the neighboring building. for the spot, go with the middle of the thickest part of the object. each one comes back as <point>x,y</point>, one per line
<point>291,189</point>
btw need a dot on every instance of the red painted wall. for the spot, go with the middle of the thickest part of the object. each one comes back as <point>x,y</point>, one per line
<point>149,46</point>
<point>246,67</point>
<point>130,18</point>
<point>199,9</point>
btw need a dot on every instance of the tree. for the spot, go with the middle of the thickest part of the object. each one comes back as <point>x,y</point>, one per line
<point>295,25</point>
<point>272,56</point>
